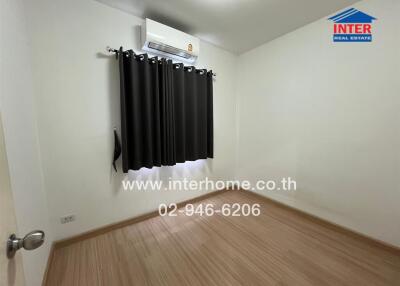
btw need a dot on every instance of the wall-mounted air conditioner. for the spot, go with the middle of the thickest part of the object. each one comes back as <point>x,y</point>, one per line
<point>159,39</point>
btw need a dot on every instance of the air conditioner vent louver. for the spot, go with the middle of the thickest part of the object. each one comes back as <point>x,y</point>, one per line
<point>170,50</point>
<point>159,39</point>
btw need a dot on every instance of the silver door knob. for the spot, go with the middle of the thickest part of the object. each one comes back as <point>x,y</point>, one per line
<point>31,241</point>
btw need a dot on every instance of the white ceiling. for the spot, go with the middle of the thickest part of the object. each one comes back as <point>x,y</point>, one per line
<point>234,25</point>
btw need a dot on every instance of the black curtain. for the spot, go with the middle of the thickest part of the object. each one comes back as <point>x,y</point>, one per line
<point>166,112</point>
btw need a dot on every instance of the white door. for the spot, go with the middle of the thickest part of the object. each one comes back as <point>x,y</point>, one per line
<point>11,271</point>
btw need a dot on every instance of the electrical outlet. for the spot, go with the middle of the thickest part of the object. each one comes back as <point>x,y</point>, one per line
<point>67,219</point>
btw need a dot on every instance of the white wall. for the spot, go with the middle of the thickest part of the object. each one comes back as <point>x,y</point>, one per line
<point>77,98</point>
<point>20,131</point>
<point>327,114</point>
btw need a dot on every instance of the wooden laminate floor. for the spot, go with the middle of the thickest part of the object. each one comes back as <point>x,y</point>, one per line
<point>279,247</point>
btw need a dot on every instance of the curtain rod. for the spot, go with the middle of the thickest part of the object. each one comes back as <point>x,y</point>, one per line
<point>111,50</point>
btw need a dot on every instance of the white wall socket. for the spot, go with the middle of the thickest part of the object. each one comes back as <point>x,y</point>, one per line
<point>67,219</point>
